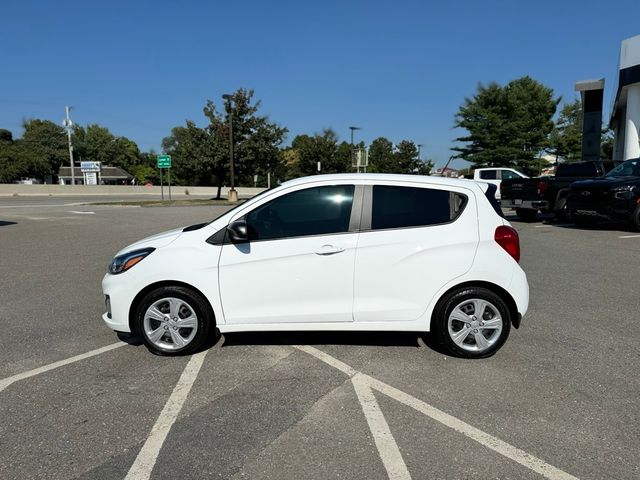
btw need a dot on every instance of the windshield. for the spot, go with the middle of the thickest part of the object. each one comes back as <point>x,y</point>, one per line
<point>630,168</point>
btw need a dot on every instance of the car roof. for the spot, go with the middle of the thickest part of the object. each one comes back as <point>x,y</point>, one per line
<point>382,177</point>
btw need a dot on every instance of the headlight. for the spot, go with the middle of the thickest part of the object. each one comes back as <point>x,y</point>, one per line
<point>124,262</point>
<point>624,192</point>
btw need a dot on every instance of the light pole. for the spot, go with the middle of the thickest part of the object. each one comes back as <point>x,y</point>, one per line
<point>419,146</point>
<point>68,124</point>
<point>233,194</point>
<point>353,129</point>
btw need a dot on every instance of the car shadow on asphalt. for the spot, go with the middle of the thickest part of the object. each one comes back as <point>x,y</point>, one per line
<point>4,223</point>
<point>376,339</point>
<point>365,339</point>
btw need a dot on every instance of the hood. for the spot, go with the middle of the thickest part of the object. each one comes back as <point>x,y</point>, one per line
<point>156,241</point>
<point>603,183</point>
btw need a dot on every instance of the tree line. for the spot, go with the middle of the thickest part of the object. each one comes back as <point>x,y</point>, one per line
<point>512,125</point>
<point>506,125</point>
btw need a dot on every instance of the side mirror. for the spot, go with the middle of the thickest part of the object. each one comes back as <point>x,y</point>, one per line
<point>238,231</point>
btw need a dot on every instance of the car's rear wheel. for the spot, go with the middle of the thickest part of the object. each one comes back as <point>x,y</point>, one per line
<point>472,322</point>
<point>561,211</point>
<point>174,320</point>
<point>526,214</point>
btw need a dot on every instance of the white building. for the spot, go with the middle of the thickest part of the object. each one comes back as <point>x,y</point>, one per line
<point>625,114</point>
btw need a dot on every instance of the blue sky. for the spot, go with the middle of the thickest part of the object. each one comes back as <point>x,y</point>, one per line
<point>397,69</point>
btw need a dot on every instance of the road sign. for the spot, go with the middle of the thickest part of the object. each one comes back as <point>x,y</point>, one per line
<point>91,178</point>
<point>89,167</point>
<point>164,161</point>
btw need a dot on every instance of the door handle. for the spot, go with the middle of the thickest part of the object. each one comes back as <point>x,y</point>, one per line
<point>329,250</point>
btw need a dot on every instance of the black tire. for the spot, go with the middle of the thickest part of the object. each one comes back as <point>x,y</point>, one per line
<point>561,211</point>
<point>526,214</point>
<point>440,321</point>
<point>194,301</point>
<point>635,219</point>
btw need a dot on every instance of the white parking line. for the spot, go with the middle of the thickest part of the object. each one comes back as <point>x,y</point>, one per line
<point>386,444</point>
<point>4,383</point>
<point>630,236</point>
<point>80,212</point>
<point>42,206</point>
<point>146,459</point>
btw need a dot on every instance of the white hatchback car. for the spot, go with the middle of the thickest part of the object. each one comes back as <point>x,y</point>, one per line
<point>330,252</point>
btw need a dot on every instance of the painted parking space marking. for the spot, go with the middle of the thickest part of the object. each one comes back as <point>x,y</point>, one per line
<point>5,382</point>
<point>630,236</point>
<point>388,449</point>
<point>80,212</point>
<point>146,459</point>
<point>385,443</point>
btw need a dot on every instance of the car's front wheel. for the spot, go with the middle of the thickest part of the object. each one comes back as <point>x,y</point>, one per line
<point>174,320</point>
<point>472,322</point>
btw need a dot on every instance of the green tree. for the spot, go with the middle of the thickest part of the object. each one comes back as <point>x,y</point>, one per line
<point>202,154</point>
<point>507,126</point>
<point>11,166</point>
<point>381,158</point>
<point>606,144</point>
<point>334,157</point>
<point>97,144</point>
<point>43,148</point>
<point>565,140</point>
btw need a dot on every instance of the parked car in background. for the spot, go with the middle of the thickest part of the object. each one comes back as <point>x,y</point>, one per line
<point>616,196</point>
<point>495,175</point>
<point>330,252</point>
<point>549,194</point>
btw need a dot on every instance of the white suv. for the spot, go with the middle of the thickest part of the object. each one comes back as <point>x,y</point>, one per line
<point>330,252</point>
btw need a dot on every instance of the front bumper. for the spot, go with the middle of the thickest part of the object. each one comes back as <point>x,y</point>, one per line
<point>120,299</point>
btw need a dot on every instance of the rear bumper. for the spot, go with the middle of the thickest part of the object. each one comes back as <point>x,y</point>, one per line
<point>527,204</point>
<point>516,321</point>
<point>519,290</point>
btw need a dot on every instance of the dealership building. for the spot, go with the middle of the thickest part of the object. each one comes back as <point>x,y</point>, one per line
<point>625,114</point>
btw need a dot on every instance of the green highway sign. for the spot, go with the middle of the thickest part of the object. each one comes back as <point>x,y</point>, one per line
<point>164,161</point>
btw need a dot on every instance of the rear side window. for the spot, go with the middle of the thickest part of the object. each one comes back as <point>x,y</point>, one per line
<point>489,174</point>
<point>401,207</point>
<point>312,211</point>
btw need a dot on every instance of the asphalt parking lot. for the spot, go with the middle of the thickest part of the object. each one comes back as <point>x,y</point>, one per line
<point>559,401</point>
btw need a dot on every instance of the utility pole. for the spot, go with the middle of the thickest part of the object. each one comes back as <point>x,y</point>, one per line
<point>68,124</point>
<point>419,145</point>
<point>233,194</point>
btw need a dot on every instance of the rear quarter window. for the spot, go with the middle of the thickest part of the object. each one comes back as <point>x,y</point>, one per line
<point>404,207</point>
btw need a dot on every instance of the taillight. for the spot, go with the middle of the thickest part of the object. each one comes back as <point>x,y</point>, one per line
<point>501,188</point>
<point>508,239</point>
<point>542,187</point>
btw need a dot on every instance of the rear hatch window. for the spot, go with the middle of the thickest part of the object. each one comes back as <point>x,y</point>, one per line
<point>490,193</point>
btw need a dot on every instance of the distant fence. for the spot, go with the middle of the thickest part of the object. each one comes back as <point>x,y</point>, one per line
<point>79,190</point>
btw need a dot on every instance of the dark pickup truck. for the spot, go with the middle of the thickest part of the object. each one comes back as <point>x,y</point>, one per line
<point>549,194</point>
<point>616,196</point>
